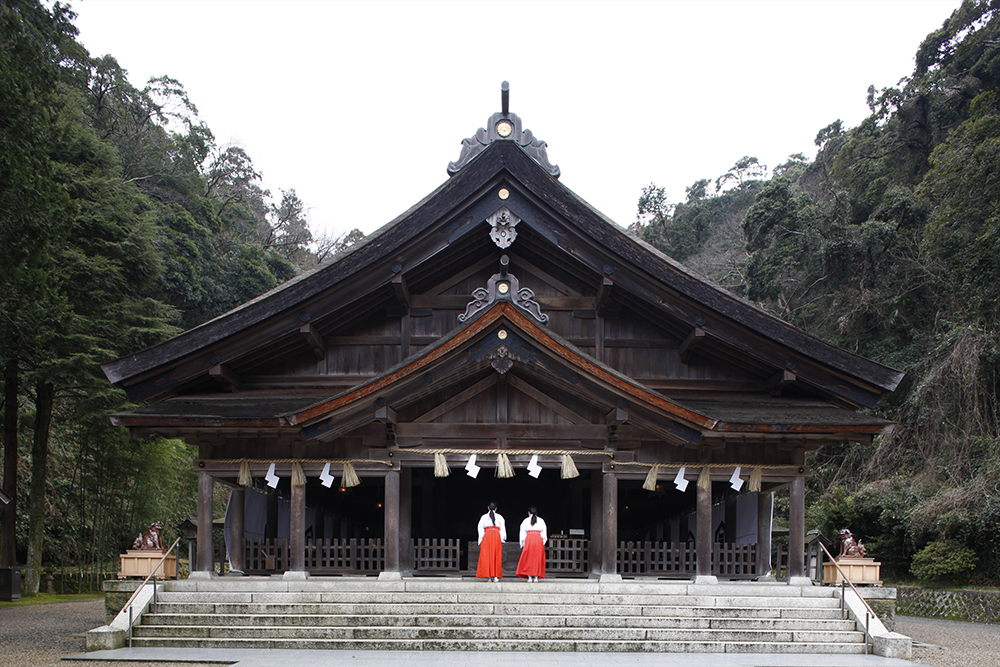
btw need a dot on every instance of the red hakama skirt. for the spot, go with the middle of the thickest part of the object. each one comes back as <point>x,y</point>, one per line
<point>532,563</point>
<point>490,554</point>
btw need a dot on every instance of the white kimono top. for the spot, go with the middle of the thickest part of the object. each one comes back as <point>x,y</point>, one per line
<point>539,525</point>
<point>501,524</point>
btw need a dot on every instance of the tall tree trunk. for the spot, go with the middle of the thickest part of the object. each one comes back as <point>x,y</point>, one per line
<point>39,466</point>
<point>8,539</point>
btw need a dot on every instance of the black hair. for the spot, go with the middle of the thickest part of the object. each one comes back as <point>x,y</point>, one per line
<point>534,515</point>
<point>493,517</point>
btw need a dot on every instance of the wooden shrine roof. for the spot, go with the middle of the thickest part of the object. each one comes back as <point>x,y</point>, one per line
<point>537,353</point>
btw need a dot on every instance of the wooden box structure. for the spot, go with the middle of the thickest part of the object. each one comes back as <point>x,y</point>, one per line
<point>859,571</point>
<point>502,316</point>
<point>140,563</point>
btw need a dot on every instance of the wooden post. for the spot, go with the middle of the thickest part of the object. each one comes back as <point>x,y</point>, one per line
<point>237,549</point>
<point>796,530</point>
<point>297,532</point>
<point>703,543</point>
<point>390,508</point>
<point>596,551</point>
<point>610,528</point>
<point>405,519</point>
<point>764,501</point>
<point>206,554</point>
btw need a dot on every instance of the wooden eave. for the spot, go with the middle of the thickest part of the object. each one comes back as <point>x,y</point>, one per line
<point>643,408</point>
<point>457,343</point>
<point>447,216</point>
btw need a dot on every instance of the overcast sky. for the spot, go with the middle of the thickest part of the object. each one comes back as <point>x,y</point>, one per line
<point>361,106</point>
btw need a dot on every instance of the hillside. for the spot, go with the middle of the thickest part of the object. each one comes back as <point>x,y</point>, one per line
<point>887,243</point>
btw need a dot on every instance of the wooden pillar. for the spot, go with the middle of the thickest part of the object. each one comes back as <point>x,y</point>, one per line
<point>609,546</point>
<point>390,508</point>
<point>596,551</point>
<point>405,519</point>
<point>796,529</point>
<point>297,530</point>
<point>703,542</point>
<point>237,550</point>
<point>206,555</point>
<point>764,501</point>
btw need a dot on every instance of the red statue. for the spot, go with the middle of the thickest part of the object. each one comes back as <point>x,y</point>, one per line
<point>151,540</point>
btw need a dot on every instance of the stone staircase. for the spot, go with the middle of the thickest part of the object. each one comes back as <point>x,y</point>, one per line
<point>470,615</point>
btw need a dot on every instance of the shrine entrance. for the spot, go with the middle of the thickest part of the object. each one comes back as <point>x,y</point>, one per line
<point>449,508</point>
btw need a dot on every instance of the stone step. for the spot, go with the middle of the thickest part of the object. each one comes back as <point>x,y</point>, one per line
<point>469,615</point>
<point>510,645</point>
<point>448,584</point>
<point>491,597</point>
<point>403,620</point>
<point>484,632</point>
<point>412,609</point>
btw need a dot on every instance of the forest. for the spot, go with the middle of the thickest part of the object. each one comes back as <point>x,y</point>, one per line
<point>886,243</point>
<point>123,222</point>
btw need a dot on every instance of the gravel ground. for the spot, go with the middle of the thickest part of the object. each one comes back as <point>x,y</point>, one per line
<point>41,635</point>
<point>951,643</point>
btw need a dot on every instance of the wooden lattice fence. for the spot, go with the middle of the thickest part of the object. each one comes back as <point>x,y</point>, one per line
<point>975,606</point>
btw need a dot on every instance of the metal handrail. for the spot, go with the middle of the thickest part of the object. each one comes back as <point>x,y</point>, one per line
<point>151,574</point>
<point>843,578</point>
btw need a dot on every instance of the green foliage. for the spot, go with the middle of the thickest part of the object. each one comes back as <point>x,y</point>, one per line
<point>119,219</point>
<point>944,562</point>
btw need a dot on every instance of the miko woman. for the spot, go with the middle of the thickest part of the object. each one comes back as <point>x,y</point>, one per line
<point>492,535</point>
<point>533,538</point>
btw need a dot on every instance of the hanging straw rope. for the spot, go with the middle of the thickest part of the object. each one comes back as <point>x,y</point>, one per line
<point>705,478</point>
<point>568,468</point>
<point>504,469</point>
<point>300,461</point>
<point>755,479</point>
<point>350,477</point>
<point>244,479</point>
<point>298,477</point>
<point>512,452</point>
<point>441,468</point>
<point>650,483</point>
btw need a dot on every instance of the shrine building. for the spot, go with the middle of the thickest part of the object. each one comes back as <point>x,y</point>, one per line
<point>501,341</point>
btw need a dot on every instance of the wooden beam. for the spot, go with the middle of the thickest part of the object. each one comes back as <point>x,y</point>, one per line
<point>458,399</point>
<point>458,302</point>
<point>402,292</point>
<point>778,380</point>
<point>690,344</point>
<point>509,431</point>
<point>616,417</point>
<point>314,339</point>
<point>386,415</point>
<point>526,388</point>
<point>551,280</point>
<point>226,376</point>
<point>604,292</point>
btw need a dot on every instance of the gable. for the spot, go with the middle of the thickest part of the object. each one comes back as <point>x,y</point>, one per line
<point>614,300</point>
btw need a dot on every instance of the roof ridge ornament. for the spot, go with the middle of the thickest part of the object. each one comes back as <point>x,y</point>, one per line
<point>503,286</point>
<point>503,126</point>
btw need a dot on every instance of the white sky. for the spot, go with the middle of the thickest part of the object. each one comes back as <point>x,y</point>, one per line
<point>361,106</point>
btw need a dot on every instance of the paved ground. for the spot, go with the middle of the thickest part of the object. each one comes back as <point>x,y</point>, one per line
<point>45,635</point>
<point>951,643</point>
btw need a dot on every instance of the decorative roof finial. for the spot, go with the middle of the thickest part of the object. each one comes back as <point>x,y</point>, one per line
<point>503,126</point>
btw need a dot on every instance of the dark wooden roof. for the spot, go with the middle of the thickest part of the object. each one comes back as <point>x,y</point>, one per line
<point>552,214</point>
<point>546,366</point>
